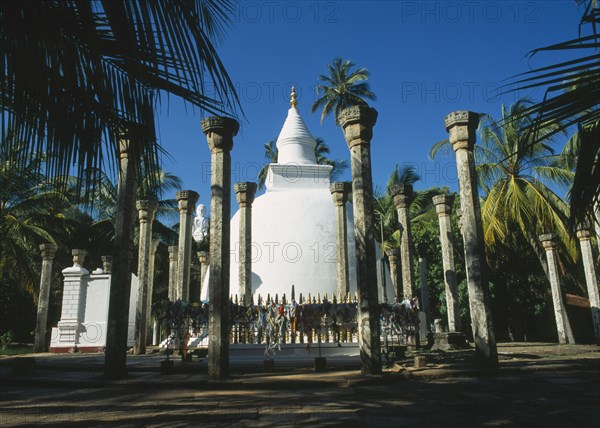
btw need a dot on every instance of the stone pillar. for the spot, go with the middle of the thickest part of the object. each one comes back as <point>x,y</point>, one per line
<point>393,257</point>
<point>422,250</point>
<point>461,126</point>
<point>597,221</point>
<point>203,257</point>
<point>73,296</point>
<point>146,211</point>
<point>187,202</point>
<point>583,234</point>
<point>48,252</point>
<point>560,314</point>
<point>357,123</point>
<point>244,193</point>
<point>443,206</point>
<point>219,133</point>
<point>153,249</point>
<point>173,257</point>
<point>106,264</point>
<point>115,357</point>
<point>340,192</point>
<point>402,193</point>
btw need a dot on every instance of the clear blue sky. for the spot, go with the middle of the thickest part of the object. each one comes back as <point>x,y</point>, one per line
<point>426,58</point>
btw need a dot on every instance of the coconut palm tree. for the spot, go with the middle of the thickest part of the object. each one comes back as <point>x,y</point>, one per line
<point>515,175</point>
<point>321,152</point>
<point>77,76</point>
<point>76,72</point>
<point>338,166</point>
<point>516,171</point>
<point>271,153</point>
<point>572,105</point>
<point>386,217</point>
<point>341,88</point>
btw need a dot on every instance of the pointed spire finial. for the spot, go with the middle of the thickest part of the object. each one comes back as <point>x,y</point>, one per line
<point>293,100</point>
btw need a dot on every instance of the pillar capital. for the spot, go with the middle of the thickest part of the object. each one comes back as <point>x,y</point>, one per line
<point>173,250</point>
<point>106,263</point>
<point>186,200</point>
<point>548,241</point>
<point>245,192</point>
<point>146,209</point>
<point>78,256</point>
<point>584,234</point>
<point>219,131</point>
<point>392,253</point>
<point>357,123</point>
<point>203,256</point>
<point>583,231</point>
<point>461,126</point>
<point>401,193</point>
<point>340,191</point>
<point>48,251</point>
<point>443,204</point>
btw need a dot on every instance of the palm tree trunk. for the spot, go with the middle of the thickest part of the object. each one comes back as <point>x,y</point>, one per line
<point>115,359</point>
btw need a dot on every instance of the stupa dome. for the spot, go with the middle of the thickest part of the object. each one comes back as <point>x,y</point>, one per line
<point>294,231</point>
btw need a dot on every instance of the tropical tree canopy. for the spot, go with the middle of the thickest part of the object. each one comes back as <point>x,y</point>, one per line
<point>342,87</point>
<point>517,172</point>
<point>572,98</point>
<point>77,74</point>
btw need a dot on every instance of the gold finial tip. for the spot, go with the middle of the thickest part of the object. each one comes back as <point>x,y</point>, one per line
<point>293,100</point>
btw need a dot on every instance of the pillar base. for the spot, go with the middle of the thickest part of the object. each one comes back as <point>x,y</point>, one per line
<point>449,341</point>
<point>167,367</point>
<point>268,366</point>
<point>320,364</point>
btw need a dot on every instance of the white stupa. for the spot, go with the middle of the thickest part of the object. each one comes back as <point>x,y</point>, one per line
<point>294,224</point>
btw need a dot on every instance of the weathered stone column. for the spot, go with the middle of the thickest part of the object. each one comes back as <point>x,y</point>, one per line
<point>393,255</point>
<point>69,325</point>
<point>461,126</point>
<point>204,259</point>
<point>357,123</point>
<point>153,249</point>
<point>106,264</point>
<point>597,223</point>
<point>340,192</point>
<point>244,193</point>
<point>173,257</point>
<point>48,252</point>
<point>560,314</point>
<point>443,206</point>
<point>424,286</point>
<point>146,211</point>
<point>402,193</point>
<point>219,133</point>
<point>187,202</point>
<point>591,280</point>
<point>115,357</point>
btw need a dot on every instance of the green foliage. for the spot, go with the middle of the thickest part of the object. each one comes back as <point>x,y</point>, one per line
<point>76,74</point>
<point>426,237</point>
<point>572,94</point>
<point>342,87</point>
<point>5,340</point>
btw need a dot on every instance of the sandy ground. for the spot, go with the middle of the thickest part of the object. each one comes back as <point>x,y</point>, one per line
<point>537,385</point>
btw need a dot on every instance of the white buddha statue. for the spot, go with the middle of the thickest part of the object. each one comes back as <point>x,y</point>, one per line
<point>200,230</point>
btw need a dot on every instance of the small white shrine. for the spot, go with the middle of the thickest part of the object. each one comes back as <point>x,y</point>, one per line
<point>83,321</point>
